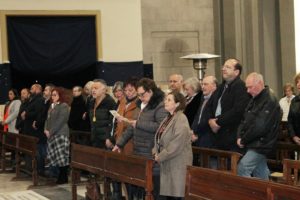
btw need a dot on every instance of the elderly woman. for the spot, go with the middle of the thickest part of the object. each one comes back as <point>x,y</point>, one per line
<point>143,129</point>
<point>57,132</point>
<point>173,150</point>
<point>11,111</point>
<point>285,101</point>
<point>294,114</point>
<point>193,91</point>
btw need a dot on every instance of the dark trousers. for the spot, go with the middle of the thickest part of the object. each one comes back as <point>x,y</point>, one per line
<point>41,156</point>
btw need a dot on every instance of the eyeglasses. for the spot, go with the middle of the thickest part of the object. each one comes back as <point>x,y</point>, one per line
<point>141,94</point>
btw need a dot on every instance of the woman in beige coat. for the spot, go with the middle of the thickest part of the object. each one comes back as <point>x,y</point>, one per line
<point>173,150</point>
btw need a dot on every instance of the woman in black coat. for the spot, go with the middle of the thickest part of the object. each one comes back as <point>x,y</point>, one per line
<point>193,92</point>
<point>294,114</point>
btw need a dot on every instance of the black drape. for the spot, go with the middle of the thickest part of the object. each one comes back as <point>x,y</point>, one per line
<point>62,51</point>
<point>51,46</point>
<point>5,82</point>
<point>119,71</point>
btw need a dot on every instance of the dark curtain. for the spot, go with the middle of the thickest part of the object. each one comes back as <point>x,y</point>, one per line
<point>60,50</point>
<point>119,71</point>
<point>5,82</point>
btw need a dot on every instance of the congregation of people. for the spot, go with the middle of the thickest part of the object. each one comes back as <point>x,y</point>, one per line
<point>232,115</point>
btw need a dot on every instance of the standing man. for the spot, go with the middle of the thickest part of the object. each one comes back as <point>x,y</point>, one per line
<point>30,116</point>
<point>176,82</point>
<point>25,96</point>
<point>201,136</point>
<point>228,107</point>
<point>259,129</point>
<point>100,117</point>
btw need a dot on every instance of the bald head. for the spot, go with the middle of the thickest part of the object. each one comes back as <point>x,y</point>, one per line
<point>255,84</point>
<point>209,85</point>
<point>175,82</point>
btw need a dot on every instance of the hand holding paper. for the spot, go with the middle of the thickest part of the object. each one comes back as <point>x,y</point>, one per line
<point>118,116</point>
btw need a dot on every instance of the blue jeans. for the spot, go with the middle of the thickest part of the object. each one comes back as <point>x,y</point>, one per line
<point>254,164</point>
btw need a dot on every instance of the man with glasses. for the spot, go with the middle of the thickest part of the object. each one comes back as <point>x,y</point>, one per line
<point>228,106</point>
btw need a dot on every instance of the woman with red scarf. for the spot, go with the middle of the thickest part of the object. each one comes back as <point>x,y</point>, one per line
<point>11,111</point>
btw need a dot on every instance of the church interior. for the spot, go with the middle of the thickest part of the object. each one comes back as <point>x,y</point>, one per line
<point>68,43</point>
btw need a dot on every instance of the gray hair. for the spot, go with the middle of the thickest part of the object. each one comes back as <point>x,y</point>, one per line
<point>194,83</point>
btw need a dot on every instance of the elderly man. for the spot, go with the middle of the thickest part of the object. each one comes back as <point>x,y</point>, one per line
<point>228,107</point>
<point>100,117</point>
<point>176,82</point>
<point>259,129</point>
<point>201,130</point>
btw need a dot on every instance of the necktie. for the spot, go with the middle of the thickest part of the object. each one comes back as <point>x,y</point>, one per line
<point>219,108</point>
<point>202,108</point>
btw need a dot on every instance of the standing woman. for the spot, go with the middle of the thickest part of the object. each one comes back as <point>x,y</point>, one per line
<point>142,130</point>
<point>11,111</point>
<point>294,114</point>
<point>173,150</point>
<point>193,92</point>
<point>57,132</point>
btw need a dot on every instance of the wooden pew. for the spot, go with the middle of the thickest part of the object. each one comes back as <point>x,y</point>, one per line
<point>80,137</point>
<point>226,160</point>
<point>135,170</point>
<point>9,143</point>
<point>88,159</point>
<point>27,145</point>
<point>20,144</point>
<point>291,172</point>
<point>202,183</point>
<point>284,150</point>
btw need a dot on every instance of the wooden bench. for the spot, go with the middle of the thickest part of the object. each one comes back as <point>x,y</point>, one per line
<point>135,170</point>
<point>20,144</point>
<point>284,150</point>
<point>202,183</point>
<point>291,172</point>
<point>80,137</point>
<point>226,160</point>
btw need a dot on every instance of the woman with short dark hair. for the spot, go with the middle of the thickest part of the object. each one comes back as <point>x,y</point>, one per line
<point>143,129</point>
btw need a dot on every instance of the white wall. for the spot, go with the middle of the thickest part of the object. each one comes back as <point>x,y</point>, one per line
<point>120,22</point>
<point>297,33</point>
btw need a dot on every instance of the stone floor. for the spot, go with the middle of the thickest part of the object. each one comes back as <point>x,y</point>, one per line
<point>22,190</point>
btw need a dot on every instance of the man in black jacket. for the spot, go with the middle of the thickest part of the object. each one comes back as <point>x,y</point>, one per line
<point>30,116</point>
<point>259,129</point>
<point>228,107</point>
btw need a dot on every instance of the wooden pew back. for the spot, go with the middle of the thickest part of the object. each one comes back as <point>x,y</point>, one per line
<point>291,171</point>
<point>80,137</point>
<point>129,169</point>
<point>135,170</point>
<point>284,150</point>
<point>202,183</point>
<point>226,160</point>
<point>20,144</point>
<point>88,158</point>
